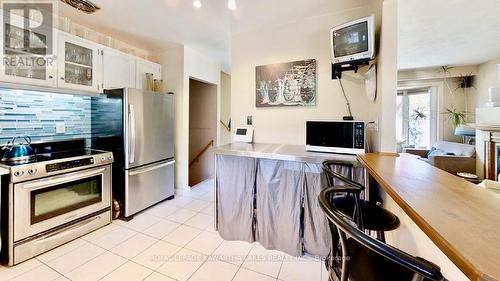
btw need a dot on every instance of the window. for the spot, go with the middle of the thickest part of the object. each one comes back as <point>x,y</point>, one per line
<point>416,120</point>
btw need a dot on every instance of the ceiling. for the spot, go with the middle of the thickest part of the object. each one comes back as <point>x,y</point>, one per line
<point>447,32</point>
<point>152,24</point>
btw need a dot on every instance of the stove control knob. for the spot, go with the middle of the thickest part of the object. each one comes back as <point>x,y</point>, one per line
<point>18,173</point>
<point>32,171</point>
<point>103,158</point>
<point>110,157</point>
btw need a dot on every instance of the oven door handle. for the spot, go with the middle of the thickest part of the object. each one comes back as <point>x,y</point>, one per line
<point>68,178</point>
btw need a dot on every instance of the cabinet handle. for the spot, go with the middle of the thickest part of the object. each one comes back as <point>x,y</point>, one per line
<point>62,78</point>
<point>50,76</point>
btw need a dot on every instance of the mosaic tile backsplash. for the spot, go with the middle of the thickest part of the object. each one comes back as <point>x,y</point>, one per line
<point>36,114</point>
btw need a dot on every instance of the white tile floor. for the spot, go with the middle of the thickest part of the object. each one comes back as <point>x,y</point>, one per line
<point>174,240</point>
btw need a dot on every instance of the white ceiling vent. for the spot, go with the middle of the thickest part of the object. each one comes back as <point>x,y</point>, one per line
<point>82,5</point>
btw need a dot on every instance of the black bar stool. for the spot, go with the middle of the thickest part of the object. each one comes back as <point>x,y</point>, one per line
<point>364,258</point>
<point>367,215</point>
<point>346,197</point>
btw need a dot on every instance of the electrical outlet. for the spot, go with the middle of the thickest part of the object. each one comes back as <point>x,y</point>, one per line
<point>250,120</point>
<point>372,126</point>
<point>60,128</point>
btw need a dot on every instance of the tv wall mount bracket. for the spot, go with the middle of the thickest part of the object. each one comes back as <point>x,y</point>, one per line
<point>338,68</point>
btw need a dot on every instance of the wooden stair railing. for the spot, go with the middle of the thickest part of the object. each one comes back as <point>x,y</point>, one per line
<point>211,143</point>
<point>225,126</point>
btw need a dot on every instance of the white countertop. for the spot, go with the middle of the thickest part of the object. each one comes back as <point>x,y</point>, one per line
<point>285,152</point>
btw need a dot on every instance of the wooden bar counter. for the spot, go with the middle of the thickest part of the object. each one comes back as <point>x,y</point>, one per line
<point>461,219</point>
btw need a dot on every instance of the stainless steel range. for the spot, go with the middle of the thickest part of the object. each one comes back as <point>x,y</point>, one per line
<point>56,197</point>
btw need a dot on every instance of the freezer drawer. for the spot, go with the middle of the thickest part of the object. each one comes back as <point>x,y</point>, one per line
<point>148,185</point>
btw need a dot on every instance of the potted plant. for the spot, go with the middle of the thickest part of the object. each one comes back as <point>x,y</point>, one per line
<point>465,81</point>
<point>417,116</point>
<point>455,116</point>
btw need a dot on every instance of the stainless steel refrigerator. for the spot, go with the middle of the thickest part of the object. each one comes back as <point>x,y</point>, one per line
<point>137,126</point>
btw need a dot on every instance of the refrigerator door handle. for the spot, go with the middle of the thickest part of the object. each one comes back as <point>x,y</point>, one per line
<point>151,168</point>
<point>132,142</point>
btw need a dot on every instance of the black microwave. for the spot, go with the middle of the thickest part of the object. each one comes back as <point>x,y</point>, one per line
<point>346,137</point>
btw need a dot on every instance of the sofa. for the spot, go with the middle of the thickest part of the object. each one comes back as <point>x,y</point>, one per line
<point>449,156</point>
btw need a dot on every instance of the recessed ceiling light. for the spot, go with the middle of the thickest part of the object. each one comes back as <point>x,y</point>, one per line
<point>197,4</point>
<point>231,5</point>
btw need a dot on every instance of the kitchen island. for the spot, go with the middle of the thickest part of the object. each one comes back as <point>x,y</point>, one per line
<point>268,193</point>
<point>444,218</point>
<point>285,152</point>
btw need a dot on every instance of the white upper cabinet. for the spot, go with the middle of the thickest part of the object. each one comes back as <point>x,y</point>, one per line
<point>143,67</point>
<point>79,64</point>
<point>27,60</point>
<point>118,69</point>
<point>73,63</point>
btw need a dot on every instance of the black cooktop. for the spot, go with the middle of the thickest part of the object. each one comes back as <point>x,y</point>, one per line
<point>48,156</point>
<point>54,150</point>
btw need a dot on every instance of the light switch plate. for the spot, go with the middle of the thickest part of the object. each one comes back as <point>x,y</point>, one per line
<point>60,128</point>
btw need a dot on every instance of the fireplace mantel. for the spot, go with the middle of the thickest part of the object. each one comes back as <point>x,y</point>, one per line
<point>485,127</point>
<point>487,150</point>
<point>487,142</point>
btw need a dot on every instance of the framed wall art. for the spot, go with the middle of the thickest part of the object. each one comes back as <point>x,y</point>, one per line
<point>286,84</point>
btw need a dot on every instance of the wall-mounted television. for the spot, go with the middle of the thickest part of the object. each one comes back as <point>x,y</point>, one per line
<point>353,41</point>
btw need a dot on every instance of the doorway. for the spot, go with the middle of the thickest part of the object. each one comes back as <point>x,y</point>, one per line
<point>202,130</point>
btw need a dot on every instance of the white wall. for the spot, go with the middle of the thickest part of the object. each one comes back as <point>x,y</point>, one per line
<point>436,72</point>
<point>225,107</point>
<point>487,77</point>
<point>172,61</point>
<point>202,68</point>
<point>307,39</point>
<point>455,94</point>
<point>179,64</point>
<point>387,76</point>
<point>448,95</point>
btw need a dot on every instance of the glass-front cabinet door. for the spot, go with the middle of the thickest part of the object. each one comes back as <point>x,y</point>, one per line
<point>26,56</point>
<point>79,64</point>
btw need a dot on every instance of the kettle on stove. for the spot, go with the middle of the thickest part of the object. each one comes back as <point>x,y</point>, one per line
<point>20,152</point>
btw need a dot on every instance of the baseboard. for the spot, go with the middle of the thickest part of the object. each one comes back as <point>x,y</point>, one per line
<point>181,191</point>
